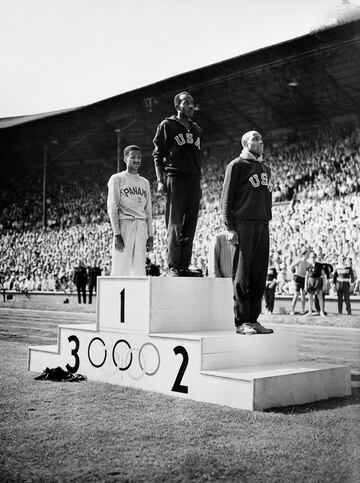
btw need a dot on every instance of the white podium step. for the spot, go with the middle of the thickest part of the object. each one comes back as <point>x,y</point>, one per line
<point>142,339</point>
<point>290,383</point>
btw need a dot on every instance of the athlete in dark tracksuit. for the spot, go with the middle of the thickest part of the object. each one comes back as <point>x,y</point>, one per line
<point>246,208</point>
<point>176,155</point>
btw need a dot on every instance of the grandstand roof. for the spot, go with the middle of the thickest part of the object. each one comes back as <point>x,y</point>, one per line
<point>307,80</point>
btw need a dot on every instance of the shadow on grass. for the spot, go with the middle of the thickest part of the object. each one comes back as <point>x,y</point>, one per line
<point>333,403</point>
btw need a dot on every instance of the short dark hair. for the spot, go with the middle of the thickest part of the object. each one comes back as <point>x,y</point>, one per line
<point>132,147</point>
<point>177,97</point>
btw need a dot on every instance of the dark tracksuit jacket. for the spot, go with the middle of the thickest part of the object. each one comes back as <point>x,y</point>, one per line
<point>246,208</point>
<point>177,151</point>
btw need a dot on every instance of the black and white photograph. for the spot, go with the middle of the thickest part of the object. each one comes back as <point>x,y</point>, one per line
<point>180,241</point>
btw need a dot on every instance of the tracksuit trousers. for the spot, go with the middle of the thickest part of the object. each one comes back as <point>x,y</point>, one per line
<point>81,290</point>
<point>250,270</point>
<point>91,289</point>
<point>131,261</point>
<point>182,209</point>
<point>343,293</point>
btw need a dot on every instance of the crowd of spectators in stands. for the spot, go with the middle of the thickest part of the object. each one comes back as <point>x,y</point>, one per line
<point>317,171</point>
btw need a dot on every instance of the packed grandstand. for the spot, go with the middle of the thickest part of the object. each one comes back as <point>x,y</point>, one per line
<point>316,195</point>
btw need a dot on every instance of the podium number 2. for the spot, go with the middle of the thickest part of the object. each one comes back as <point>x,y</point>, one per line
<point>178,387</point>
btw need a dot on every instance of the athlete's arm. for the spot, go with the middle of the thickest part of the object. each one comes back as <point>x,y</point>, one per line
<point>161,149</point>
<point>294,265</point>
<point>148,210</point>
<point>161,187</point>
<point>113,201</point>
<point>228,198</point>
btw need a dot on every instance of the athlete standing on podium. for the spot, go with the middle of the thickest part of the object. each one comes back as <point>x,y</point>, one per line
<point>246,208</point>
<point>130,212</point>
<point>177,146</point>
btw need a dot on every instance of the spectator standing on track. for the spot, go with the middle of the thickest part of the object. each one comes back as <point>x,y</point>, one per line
<point>130,213</point>
<point>80,280</point>
<point>300,266</point>
<point>282,279</point>
<point>342,277</point>
<point>177,158</point>
<point>328,269</point>
<point>246,209</point>
<point>271,281</point>
<point>315,280</point>
<point>94,273</point>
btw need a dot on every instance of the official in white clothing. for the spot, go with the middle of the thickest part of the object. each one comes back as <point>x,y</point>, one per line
<point>221,256</point>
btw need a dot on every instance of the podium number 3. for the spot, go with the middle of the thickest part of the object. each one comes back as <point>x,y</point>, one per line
<point>178,387</point>
<point>75,354</point>
<point>122,306</point>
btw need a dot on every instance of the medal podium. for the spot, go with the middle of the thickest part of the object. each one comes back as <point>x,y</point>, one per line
<point>176,336</point>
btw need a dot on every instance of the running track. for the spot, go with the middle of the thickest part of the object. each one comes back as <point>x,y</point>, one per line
<point>38,327</point>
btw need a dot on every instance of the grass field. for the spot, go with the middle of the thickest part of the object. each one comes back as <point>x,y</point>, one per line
<point>91,431</point>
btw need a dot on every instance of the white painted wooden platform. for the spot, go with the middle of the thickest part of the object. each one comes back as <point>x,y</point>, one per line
<point>176,336</point>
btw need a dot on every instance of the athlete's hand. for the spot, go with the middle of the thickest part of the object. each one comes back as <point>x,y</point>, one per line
<point>161,188</point>
<point>149,243</point>
<point>233,237</point>
<point>119,243</point>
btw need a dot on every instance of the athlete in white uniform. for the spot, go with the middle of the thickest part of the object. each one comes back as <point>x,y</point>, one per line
<point>130,213</point>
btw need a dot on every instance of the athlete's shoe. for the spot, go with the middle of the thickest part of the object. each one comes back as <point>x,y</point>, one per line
<point>186,272</point>
<point>310,314</point>
<point>173,272</point>
<point>245,329</point>
<point>292,313</point>
<point>322,314</point>
<point>260,329</point>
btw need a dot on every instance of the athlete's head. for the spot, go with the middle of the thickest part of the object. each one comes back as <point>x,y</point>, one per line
<point>253,141</point>
<point>313,257</point>
<point>184,104</point>
<point>132,158</point>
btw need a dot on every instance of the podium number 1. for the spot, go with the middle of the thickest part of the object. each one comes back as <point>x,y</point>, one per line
<point>122,306</point>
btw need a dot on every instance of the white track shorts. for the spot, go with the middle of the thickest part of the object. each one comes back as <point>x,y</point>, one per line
<point>131,261</point>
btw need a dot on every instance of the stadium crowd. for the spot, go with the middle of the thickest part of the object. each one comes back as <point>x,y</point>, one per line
<point>316,171</point>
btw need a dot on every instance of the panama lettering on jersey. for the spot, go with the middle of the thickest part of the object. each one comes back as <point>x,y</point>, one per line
<point>133,190</point>
<point>263,180</point>
<point>180,139</point>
